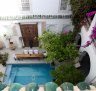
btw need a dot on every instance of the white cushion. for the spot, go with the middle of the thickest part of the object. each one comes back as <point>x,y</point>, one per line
<point>36,52</point>
<point>25,51</point>
<point>30,51</point>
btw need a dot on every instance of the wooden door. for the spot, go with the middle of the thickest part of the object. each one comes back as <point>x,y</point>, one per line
<point>29,34</point>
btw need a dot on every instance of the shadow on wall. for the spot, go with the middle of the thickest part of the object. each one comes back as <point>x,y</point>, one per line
<point>84,60</point>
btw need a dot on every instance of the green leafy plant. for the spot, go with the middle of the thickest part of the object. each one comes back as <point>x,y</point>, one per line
<point>59,47</point>
<point>3,58</point>
<point>67,73</point>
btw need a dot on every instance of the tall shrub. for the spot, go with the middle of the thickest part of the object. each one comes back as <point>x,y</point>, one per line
<point>60,47</point>
<point>67,73</point>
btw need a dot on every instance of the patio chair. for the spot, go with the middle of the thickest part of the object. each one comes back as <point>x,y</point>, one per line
<point>67,86</point>
<point>15,87</point>
<point>83,86</point>
<point>50,86</point>
<point>32,87</point>
<point>2,86</point>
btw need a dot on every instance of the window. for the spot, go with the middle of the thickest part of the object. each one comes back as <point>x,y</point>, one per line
<point>25,5</point>
<point>63,5</point>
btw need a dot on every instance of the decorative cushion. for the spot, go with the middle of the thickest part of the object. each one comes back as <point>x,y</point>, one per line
<point>36,52</point>
<point>30,51</point>
<point>25,51</point>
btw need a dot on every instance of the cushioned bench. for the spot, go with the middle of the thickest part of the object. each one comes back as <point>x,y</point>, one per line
<point>29,56</point>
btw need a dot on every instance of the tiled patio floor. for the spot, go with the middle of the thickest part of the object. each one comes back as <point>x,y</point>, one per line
<point>11,53</point>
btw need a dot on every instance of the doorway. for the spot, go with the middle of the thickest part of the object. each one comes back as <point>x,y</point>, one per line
<point>29,34</point>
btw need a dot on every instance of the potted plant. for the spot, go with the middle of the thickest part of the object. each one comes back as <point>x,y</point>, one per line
<point>3,58</point>
<point>67,73</point>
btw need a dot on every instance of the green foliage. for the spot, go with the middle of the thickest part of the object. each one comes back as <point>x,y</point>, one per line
<point>59,47</point>
<point>79,10</point>
<point>3,58</point>
<point>67,73</point>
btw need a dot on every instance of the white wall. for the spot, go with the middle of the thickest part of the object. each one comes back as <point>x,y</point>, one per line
<point>13,26</point>
<point>38,7</point>
<point>91,50</point>
<point>46,7</point>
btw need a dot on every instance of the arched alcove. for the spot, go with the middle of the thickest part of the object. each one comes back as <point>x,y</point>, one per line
<point>84,60</point>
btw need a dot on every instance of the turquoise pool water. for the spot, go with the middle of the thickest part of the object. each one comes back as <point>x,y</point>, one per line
<point>27,73</point>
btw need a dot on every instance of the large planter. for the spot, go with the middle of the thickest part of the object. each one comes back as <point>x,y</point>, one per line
<point>3,58</point>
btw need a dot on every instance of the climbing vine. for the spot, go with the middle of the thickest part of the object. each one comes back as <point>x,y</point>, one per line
<point>92,37</point>
<point>79,10</point>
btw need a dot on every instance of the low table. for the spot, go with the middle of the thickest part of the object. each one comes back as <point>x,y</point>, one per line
<point>29,56</point>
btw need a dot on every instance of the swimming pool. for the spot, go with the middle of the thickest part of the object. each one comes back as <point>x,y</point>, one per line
<point>27,73</point>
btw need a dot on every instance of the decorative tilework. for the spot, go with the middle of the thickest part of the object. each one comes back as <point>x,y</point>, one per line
<point>35,17</point>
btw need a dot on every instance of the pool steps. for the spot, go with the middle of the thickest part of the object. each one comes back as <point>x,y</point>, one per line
<point>13,75</point>
<point>7,75</point>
